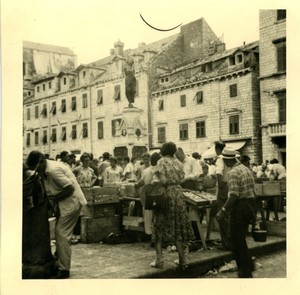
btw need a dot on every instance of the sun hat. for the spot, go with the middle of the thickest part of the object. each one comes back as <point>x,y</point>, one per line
<point>228,153</point>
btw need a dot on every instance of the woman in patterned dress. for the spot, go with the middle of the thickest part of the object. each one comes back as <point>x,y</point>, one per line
<point>84,174</point>
<point>172,224</point>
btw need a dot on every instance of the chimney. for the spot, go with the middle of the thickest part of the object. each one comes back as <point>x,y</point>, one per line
<point>112,52</point>
<point>220,47</point>
<point>119,47</point>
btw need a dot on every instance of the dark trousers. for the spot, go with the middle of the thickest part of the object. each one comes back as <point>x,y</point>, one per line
<point>241,216</point>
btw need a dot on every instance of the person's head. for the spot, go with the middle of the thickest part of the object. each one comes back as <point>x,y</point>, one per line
<point>146,158</point>
<point>64,156</point>
<point>85,160</point>
<point>106,156</point>
<point>205,169</point>
<point>274,161</point>
<point>119,160</point>
<point>126,160</point>
<point>196,156</point>
<point>113,162</point>
<point>180,154</point>
<point>229,157</point>
<point>154,158</point>
<point>245,160</point>
<point>71,159</point>
<point>219,146</point>
<point>57,157</point>
<point>47,156</point>
<point>95,162</point>
<point>168,149</point>
<point>36,161</point>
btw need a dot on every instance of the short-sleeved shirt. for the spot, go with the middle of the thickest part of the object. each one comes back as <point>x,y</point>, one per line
<point>113,174</point>
<point>240,182</point>
<point>59,176</point>
<point>221,168</point>
<point>191,167</point>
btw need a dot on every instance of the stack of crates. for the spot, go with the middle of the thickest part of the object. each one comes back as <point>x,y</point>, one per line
<point>101,218</point>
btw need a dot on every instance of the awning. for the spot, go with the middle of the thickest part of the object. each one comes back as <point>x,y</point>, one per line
<point>236,145</point>
<point>211,153</point>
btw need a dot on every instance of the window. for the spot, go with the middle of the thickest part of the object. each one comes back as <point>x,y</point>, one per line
<point>183,100</point>
<point>28,139</point>
<point>183,131</point>
<point>100,130</point>
<point>74,132</point>
<point>63,136</point>
<point>28,114</point>
<point>44,111</point>
<point>233,90</point>
<point>63,106</point>
<point>53,108</point>
<point>83,74</point>
<point>117,94</point>
<point>100,96</point>
<point>231,60</point>
<point>36,112</point>
<point>209,67</point>
<point>53,135</point>
<point>199,97</point>
<point>73,103</point>
<point>167,79</point>
<point>200,129</point>
<point>65,80</point>
<point>282,106</point>
<point>36,137</point>
<point>114,124</point>
<point>84,130</point>
<point>38,88</point>
<point>239,58</point>
<point>281,54</point>
<point>50,85</point>
<point>281,14</point>
<point>161,105</point>
<point>84,100</point>
<point>161,134</point>
<point>234,124</point>
<point>44,87</point>
<point>44,138</point>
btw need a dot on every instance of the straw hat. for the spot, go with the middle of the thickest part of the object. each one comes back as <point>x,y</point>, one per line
<point>229,154</point>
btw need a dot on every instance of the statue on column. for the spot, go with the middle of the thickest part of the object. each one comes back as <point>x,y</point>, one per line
<point>130,84</point>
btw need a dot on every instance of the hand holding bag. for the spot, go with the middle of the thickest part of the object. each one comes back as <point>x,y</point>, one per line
<point>155,198</point>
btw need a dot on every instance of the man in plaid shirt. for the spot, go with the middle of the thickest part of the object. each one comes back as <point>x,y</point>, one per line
<point>240,207</point>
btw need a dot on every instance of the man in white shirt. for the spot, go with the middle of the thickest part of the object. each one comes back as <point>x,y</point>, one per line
<point>60,185</point>
<point>192,168</point>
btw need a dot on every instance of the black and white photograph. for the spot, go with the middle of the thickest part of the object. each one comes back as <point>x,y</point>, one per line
<point>155,140</point>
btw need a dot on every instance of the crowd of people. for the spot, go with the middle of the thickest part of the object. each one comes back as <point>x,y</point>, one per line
<point>59,183</point>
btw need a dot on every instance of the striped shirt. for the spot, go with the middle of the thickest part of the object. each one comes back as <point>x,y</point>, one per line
<point>240,182</point>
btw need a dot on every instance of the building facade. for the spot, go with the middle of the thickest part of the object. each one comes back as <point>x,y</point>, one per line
<point>272,50</point>
<point>213,98</point>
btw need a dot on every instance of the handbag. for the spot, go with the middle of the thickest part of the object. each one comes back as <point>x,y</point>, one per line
<point>155,198</point>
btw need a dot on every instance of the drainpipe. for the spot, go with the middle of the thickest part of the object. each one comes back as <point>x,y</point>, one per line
<point>219,99</point>
<point>149,102</point>
<point>91,125</point>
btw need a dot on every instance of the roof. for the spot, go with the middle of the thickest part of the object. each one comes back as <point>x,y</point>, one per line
<point>39,79</point>
<point>156,46</point>
<point>47,47</point>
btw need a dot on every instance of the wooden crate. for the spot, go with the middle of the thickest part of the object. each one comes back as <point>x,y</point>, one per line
<point>105,195</point>
<point>276,228</point>
<point>271,188</point>
<point>101,210</point>
<point>94,230</point>
<point>258,189</point>
<point>134,223</point>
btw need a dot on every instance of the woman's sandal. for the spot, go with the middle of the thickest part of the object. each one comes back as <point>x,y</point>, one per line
<point>157,264</point>
<point>182,266</point>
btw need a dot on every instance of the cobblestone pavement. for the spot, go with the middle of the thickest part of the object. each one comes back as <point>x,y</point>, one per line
<point>267,266</point>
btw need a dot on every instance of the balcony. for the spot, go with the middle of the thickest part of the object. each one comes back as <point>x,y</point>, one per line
<point>277,129</point>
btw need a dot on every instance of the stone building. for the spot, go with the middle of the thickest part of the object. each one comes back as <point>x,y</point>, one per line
<point>85,109</point>
<point>272,50</point>
<point>212,98</point>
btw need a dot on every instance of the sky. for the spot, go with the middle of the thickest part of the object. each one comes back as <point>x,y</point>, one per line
<point>91,27</point>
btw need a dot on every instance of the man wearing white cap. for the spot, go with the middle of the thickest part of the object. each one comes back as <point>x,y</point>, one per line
<point>240,207</point>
